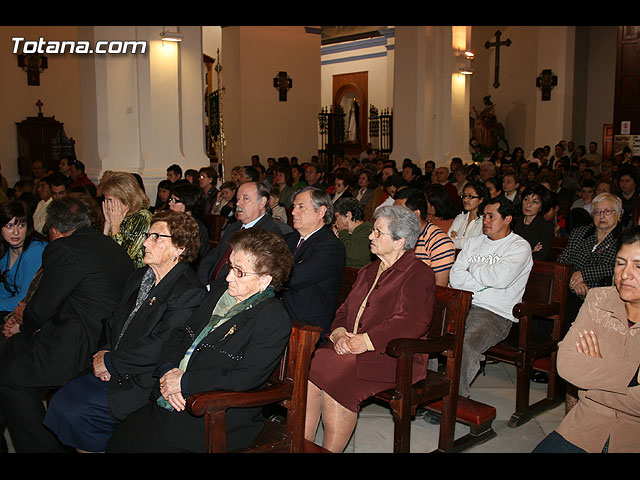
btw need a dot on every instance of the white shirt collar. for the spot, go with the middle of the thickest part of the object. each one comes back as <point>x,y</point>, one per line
<point>253,222</point>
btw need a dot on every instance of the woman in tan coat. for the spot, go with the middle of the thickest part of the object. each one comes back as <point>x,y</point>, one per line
<point>600,355</point>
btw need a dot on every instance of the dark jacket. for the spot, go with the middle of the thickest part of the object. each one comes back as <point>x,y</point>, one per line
<point>131,365</point>
<point>237,359</point>
<point>538,231</point>
<point>209,262</point>
<point>311,294</point>
<point>82,280</point>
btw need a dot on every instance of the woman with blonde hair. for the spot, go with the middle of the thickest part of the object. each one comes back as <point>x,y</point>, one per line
<point>126,213</point>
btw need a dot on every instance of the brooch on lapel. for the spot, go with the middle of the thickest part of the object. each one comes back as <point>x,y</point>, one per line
<point>231,331</point>
<point>151,302</point>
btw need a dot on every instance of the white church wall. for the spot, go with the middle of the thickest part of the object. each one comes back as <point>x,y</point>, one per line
<point>431,100</point>
<point>149,110</point>
<point>372,55</point>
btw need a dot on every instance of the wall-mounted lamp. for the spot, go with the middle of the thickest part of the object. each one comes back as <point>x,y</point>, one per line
<point>465,60</point>
<point>170,36</point>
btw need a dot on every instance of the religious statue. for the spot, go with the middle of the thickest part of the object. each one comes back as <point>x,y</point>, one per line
<point>486,130</point>
<point>352,121</point>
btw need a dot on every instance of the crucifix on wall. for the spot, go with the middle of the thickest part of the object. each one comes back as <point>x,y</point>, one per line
<point>283,83</point>
<point>546,81</point>
<point>497,44</point>
<point>33,64</point>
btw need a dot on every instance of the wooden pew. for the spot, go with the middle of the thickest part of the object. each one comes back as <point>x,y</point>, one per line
<point>214,224</point>
<point>287,387</point>
<point>348,277</point>
<point>478,416</point>
<point>526,347</point>
<point>438,391</point>
<point>558,244</point>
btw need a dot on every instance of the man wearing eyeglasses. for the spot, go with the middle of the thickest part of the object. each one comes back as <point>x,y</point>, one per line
<point>495,266</point>
<point>318,260</point>
<point>251,211</point>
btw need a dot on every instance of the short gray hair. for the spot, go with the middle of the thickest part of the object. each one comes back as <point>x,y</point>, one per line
<point>68,214</point>
<point>603,197</point>
<point>319,198</point>
<point>403,223</point>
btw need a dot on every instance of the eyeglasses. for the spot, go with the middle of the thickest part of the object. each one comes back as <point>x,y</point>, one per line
<point>175,200</point>
<point>606,212</point>
<point>377,232</point>
<point>238,272</point>
<point>155,236</point>
<point>469,196</point>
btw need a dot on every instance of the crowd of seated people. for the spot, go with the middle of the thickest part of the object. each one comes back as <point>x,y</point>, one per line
<point>290,228</point>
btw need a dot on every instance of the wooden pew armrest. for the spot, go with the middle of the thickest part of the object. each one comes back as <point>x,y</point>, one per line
<point>221,400</point>
<point>407,347</point>
<point>530,309</point>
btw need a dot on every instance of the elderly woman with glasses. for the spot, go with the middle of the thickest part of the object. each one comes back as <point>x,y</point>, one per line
<point>591,250</point>
<point>352,366</point>
<point>232,342</point>
<point>20,254</point>
<point>156,300</point>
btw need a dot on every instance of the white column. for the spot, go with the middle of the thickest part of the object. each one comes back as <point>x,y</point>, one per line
<point>144,111</point>
<point>431,99</point>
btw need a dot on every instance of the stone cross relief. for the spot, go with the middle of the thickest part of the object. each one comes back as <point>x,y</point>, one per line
<point>283,83</point>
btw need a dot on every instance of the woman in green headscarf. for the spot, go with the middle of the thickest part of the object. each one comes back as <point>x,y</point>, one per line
<point>233,342</point>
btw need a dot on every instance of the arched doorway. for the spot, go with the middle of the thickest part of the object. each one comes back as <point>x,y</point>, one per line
<point>350,92</point>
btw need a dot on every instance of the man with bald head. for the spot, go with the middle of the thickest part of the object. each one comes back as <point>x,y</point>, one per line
<point>442,177</point>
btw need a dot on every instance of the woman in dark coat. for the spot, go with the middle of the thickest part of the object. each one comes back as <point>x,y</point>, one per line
<point>189,199</point>
<point>531,225</point>
<point>156,300</point>
<point>352,366</point>
<point>233,342</point>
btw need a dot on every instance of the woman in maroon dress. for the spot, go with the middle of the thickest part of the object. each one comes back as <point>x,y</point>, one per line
<point>392,297</point>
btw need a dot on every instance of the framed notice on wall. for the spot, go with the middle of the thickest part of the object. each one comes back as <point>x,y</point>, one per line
<point>631,141</point>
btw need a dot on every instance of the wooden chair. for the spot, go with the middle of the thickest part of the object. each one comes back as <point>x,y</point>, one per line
<point>445,336</point>
<point>348,277</point>
<point>558,245</point>
<point>287,387</point>
<point>529,348</point>
<point>214,224</point>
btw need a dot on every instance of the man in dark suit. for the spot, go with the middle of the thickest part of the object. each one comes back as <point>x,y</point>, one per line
<point>251,210</point>
<point>83,273</point>
<point>318,260</point>
<point>314,175</point>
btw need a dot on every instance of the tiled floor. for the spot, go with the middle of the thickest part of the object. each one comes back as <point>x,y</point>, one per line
<point>374,431</point>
